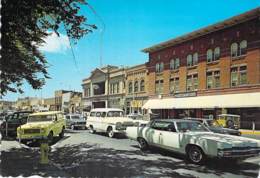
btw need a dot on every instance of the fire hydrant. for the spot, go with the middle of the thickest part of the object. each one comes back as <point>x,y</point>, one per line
<point>44,152</point>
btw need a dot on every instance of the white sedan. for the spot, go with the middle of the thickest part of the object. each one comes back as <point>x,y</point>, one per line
<point>192,139</point>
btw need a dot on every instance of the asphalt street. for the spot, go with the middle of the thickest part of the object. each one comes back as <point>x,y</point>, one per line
<point>81,154</point>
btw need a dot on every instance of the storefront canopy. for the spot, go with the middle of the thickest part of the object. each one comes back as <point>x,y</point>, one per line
<point>243,100</point>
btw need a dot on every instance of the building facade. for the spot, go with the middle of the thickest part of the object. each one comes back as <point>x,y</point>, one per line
<point>136,88</point>
<point>104,88</point>
<point>218,65</point>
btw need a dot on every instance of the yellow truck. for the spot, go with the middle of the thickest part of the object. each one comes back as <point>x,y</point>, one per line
<point>228,121</point>
<point>42,125</point>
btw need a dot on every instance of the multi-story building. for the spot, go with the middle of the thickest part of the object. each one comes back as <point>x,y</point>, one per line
<point>136,88</point>
<point>104,88</point>
<point>75,104</point>
<point>210,71</point>
<point>6,105</point>
<point>49,103</point>
<point>58,99</point>
<point>28,103</point>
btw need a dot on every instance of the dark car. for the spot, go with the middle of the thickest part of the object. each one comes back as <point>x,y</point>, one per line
<point>12,121</point>
<point>216,128</point>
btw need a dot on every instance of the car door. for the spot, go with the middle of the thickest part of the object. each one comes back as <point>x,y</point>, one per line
<point>169,138</point>
<point>152,133</point>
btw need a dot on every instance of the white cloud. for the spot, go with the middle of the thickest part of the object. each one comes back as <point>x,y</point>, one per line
<point>55,44</point>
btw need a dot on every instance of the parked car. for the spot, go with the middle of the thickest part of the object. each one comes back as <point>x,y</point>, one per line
<point>192,139</point>
<point>75,121</point>
<point>12,121</point>
<point>229,121</point>
<point>214,127</point>
<point>138,118</point>
<point>108,120</point>
<point>42,125</point>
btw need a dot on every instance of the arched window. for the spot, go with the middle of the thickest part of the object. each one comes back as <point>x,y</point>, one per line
<point>189,60</point>
<point>142,86</point>
<point>234,50</point>
<point>209,55</point>
<point>177,63</point>
<point>157,69</point>
<point>130,87</point>
<point>172,64</point>
<point>136,86</point>
<point>195,58</point>
<point>161,67</point>
<point>216,53</point>
<point>243,46</point>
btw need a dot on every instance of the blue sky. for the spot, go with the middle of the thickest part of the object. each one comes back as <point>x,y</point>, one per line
<point>130,26</point>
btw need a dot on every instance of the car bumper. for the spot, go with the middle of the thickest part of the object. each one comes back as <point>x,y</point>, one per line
<point>28,138</point>
<point>238,153</point>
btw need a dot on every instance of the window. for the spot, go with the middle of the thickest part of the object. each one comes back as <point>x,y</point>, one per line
<point>192,82</point>
<point>87,92</point>
<point>166,126</point>
<point>159,86</point>
<point>174,63</point>
<point>209,55</point>
<point>216,53</point>
<point>159,67</point>
<point>174,85</point>
<point>213,79</point>
<point>243,46</point>
<point>142,85</point>
<point>238,50</point>
<point>238,76</point>
<point>234,50</point>
<point>192,60</point>
<point>130,87</point>
<point>136,86</point>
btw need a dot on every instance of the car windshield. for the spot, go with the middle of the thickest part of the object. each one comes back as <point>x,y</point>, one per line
<point>75,117</point>
<point>191,126</point>
<point>41,118</point>
<point>115,114</point>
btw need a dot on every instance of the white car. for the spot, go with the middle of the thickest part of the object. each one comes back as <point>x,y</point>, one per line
<point>109,120</point>
<point>138,118</point>
<point>193,139</point>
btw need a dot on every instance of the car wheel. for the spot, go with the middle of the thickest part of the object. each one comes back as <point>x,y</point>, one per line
<point>50,137</point>
<point>61,135</point>
<point>91,129</point>
<point>142,144</point>
<point>110,132</point>
<point>195,154</point>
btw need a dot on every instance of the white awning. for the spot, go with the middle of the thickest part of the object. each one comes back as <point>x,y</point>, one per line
<point>243,100</point>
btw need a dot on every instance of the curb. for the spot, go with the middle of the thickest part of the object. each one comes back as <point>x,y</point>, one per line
<point>250,132</point>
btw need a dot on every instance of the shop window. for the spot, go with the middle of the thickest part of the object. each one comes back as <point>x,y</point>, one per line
<point>142,85</point>
<point>192,82</point>
<point>238,76</point>
<point>159,86</point>
<point>130,87</point>
<point>174,85</point>
<point>136,86</point>
<point>213,79</point>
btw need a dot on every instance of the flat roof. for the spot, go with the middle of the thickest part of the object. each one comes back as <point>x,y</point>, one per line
<point>206,30</point>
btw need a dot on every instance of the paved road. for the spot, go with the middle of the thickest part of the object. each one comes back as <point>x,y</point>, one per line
<point>81,154</point>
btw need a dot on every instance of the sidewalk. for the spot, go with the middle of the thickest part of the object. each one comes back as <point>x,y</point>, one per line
<point>249,132</point>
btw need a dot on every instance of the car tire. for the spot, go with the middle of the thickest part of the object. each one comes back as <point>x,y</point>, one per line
<point>50,137</point>
<point>195,154</point>
<point>110,132</point>
<point>143,145</point>
<point>91,129</point>
<point>61,135</point>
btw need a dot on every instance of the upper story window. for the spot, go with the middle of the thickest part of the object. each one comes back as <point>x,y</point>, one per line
<point>213,79</point>
<point>136,86</point>
<point>213,55</point>
<point>174,63</point>
<point>192,82</point>
<point>159,67</point>
<point>238,76</point>
<point>192,60</point>
<point>114,88</point>
<point>87,92</point>
<point>159,86</point>
<point>238,49</point>
<point>142,85</point>
<point>130,87</point>
<point>174,85</point>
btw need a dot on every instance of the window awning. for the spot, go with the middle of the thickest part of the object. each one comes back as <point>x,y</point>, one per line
<point>243,100</point>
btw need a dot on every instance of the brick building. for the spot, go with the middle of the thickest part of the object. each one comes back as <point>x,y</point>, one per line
<point>210,71</point>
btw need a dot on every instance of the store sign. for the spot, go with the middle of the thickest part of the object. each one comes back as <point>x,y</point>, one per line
<point>136,104</point>
<point>184,95</point>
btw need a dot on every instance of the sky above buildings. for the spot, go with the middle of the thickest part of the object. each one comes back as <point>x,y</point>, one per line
<point>127,26</point>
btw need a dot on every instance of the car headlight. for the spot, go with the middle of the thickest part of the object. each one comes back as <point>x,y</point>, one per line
<point>118,125</point>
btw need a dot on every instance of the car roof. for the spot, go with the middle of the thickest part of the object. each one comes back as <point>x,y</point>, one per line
<point>105,109</point>
<point>229,115</point>
<point>174,120</point>
<point>46,113</point>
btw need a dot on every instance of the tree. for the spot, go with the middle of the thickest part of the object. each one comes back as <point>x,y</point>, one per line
<point>25,23</point>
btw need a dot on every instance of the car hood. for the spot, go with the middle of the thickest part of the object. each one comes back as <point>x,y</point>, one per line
<point>225,141</point>
<point>36,125</point>
<point>223,130</point>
